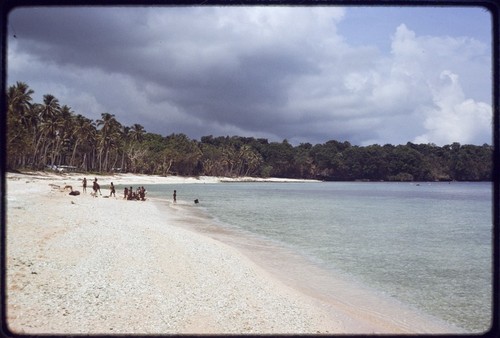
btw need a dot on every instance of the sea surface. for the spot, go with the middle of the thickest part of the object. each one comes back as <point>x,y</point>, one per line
<point>428,245</point>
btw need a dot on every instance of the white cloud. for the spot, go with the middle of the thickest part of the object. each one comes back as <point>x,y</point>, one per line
<point>417,97</point>
<point>455,118</point>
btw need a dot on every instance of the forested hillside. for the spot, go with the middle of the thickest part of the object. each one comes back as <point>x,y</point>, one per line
<point>48,133</point>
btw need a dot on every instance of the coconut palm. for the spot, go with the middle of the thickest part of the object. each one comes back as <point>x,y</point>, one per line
<point>19,124</point>
<point>131,137</point>
<point>107,138</point>
<point>137,133</point>
<point>19,103</point>
<point>88,135</point>
<point>51,134</point>
<point>50,124</point>
<point>50,108</point>
<point>64,134</point>
<point>83,129</point>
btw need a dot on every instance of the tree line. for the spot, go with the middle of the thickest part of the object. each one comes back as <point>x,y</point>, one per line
<point>48,133</point>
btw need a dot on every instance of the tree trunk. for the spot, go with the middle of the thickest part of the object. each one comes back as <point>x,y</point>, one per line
<point>114,163</point>
<point>74,153</point>
<point>123,160</point>
<point>84,162</point>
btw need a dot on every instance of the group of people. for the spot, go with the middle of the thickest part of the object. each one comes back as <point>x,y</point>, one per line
<point>139,194</point>
<point>95,187</point>
<point>130,194</point>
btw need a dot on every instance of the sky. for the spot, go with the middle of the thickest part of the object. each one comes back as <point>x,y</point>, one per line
<point>366,75</point>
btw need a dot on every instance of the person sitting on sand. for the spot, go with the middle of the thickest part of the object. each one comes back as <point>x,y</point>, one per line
<point>112,188</point>
<point>71,191</point>
<point>142,194</point>
<point>84,185</point>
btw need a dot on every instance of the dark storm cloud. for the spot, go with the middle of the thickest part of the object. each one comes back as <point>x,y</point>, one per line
<point>84,37</point>
<point>265,72</point>
<point>202,80</point>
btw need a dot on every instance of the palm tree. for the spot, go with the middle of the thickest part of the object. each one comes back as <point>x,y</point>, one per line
<point>137,133</point>
<point>88,136</point>
<point>131,137</point>
<point>19,103</point>
<point>108,134</point>
<point>125,145</point>
<point>51,134</point>
<point>50,123</point>
<point>82,131</point>
<point>50,108</point>
<point>64,134</point>
<point>19,123</point>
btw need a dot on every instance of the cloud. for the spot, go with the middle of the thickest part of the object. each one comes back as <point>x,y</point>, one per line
<point>455,118</point>
<point>407,93</point>
<point>274,72</point>
<point>431,66</point>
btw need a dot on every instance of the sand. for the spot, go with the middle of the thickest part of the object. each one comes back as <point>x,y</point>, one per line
<point>79,264</point>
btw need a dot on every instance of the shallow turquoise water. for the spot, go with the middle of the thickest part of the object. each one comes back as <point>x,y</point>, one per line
<point>428,245</point>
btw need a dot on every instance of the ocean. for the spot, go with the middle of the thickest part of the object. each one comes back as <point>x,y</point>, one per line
<point>428,245</point>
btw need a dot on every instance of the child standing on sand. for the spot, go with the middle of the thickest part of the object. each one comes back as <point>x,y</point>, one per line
<point>84,184</point>
<point>112,188</point>
<point>96,188</point>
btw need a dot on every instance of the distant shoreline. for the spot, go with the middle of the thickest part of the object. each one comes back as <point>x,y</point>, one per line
<point>154,179</point>
<point>174,179</point>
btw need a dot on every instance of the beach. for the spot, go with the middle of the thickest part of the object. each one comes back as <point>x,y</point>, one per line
<point>96,265</point>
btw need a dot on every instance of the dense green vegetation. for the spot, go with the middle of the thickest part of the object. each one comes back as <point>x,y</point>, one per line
<point>48,133</point>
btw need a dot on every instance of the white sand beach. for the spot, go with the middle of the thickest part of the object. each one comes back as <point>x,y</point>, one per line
<point>79,264</point>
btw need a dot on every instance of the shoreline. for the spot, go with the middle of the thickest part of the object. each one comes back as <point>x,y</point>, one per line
<point>357,305</point>
<point>173,179</point>
<point>70,273</point>
<point>120,178</point>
